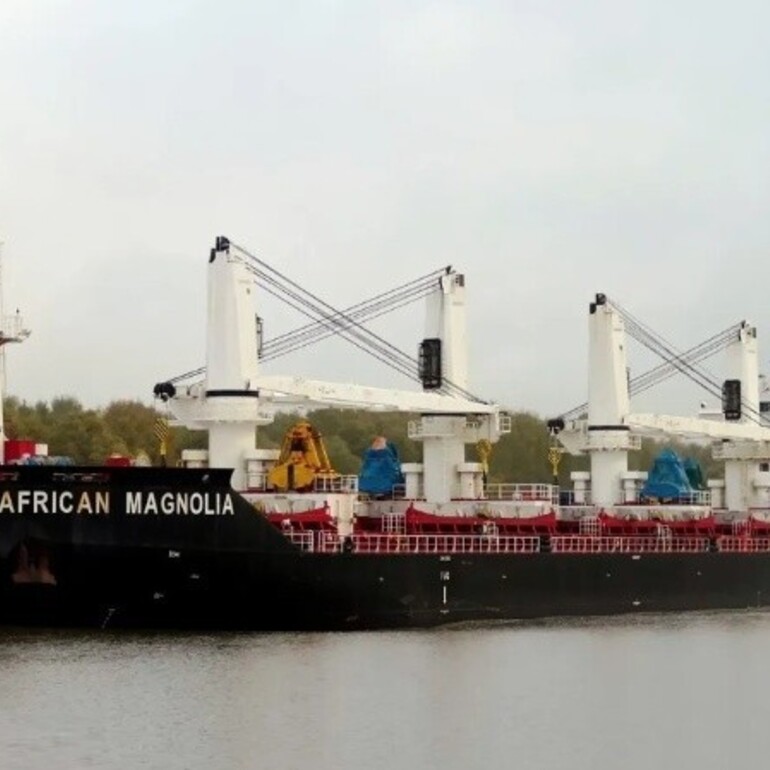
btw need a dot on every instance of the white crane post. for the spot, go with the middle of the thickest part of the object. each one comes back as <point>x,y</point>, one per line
<point>608,436</point>
<point>231,358</point>
<point>443,434</point>
<point>446,320</point>
<point>741,473</point>
<point>742,362</point>
<point>11,330</point>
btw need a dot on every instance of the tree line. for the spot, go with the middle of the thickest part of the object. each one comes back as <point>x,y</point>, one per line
<point>88,436</point>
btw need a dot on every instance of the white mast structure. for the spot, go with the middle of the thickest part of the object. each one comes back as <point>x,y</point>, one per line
<point>444,436</point>
<point>227,403</point>
<point>235,397</point>
<point>11,330</point>
<point>611,429</point>
<point>608,436</point>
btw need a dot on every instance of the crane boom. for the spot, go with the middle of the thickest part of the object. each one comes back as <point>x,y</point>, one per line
<point>287,389</point>
<point>695,427</point>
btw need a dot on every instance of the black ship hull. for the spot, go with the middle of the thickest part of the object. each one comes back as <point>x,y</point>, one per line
<point>157,548</point>
<point>125,588</point>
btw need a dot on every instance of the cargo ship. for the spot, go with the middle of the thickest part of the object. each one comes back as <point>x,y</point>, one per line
<point>239,536</point>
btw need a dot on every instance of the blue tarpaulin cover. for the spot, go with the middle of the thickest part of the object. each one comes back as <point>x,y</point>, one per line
<point>694,473</point>
<point>381,470</point>
<point>668,478</point>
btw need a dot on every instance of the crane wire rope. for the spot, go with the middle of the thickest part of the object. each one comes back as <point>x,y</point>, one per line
<point>311,332</point>
<point>377,306</point>
<point>677,361</point>
<point>667,369</point>
<point>644,335</point>
<point>322,311</point>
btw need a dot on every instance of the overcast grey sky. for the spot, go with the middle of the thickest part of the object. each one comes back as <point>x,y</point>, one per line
<point>549,150</point>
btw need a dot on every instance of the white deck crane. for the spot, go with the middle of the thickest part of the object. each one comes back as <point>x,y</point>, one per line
<point>611,429</point>
<point>236,397</point>
<point>12,329</point>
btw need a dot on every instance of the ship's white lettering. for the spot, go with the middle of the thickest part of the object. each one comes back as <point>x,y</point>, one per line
<point>102,502</point>
<point>178,504</point>
<point>90,502</point>
<point>54,501</point>
<point>133,502</point>
<point>65,502</point>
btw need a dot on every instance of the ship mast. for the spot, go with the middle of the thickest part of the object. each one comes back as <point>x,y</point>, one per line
<point>11,330</point>
<point>236,397</point>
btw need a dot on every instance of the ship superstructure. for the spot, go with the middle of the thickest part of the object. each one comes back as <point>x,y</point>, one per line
<point>445,500</point>
<point>235,397</point>
<point>243,536</point>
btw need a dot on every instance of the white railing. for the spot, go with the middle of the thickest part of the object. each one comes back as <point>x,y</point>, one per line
<point>744,544</point>
<point>626,544</point>
<point>590,525</point>
<point>328,542</point>
<point>741,527</point>
<point>394,523</point>
<point>523,492</point>
<point>303,540</point>
<point>568,498</point>
<point>447,544</point>
<point>257,482</point>
<point>697,497</point>
<point>336,484</point>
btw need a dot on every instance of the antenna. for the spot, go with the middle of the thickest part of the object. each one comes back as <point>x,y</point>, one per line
<point>11,330</point>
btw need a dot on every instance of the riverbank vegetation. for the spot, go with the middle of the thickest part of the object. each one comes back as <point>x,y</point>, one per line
<point>89,436</point>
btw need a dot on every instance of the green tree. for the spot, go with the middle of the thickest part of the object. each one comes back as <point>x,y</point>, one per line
<point>127,427</point>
